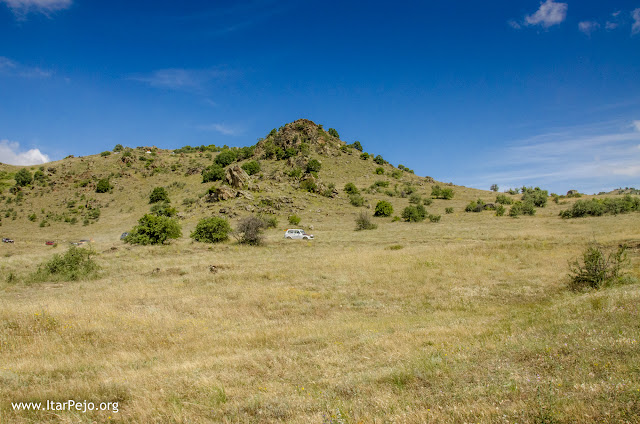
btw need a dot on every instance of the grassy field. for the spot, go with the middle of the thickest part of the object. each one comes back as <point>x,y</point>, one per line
<point>466,320</point>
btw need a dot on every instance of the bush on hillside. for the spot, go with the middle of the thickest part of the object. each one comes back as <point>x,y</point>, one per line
<point>23,177</point>
<point>536,196</point>
<point>211,230</point>
<point>356,200</point>
<point>477,206</point>
<point>350,188</point>
<point>363,222</point>
<point>414,213</point>
<point>599,207</point>
<point>118,148</point>
<point>597,269</point>
<point>494,187</point>
<point>105,153</point>
<point>500,210</point>
<point>213,172</point>
<point>415,198</point>
<point>383,209</point>
<point>441,193</point>
<point>152,229</point>
<point>448,210</point>
<point>103,186</point>
<point>226,157</point>
<point>252,167</point>
<point>164,209</point>
<point>314,165</point>
<point>333,133</point>
<point>503,199</point>
<point>294,219</point>
<point>380,170</point>
<point>379,160</point>
<point>356,145</point>
<point>270,221</point>
<point>364,156</point>
<point>522,208</point>
<point>159,194</point>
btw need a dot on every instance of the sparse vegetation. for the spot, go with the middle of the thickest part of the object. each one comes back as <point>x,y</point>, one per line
<point>504,199</point>
<point>250,231</point>
<point>522,208</point>
<point>159,194</point>
<point>363,222</point>
<point>76,264</point>
<point>448,210</point>
<point>294,219</point>
<point>598,269</point>
<point>356,200</point>
<point>599,207</point>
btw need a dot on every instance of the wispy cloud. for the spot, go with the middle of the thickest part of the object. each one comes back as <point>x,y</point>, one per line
<point>12,68</point>
<point>222,129</point>
<point>589,158</point>
<point>21,8</point>
<point>588,27</point>
<point>11,153</point>
<point>182,79</point>
<point>549,14</point>
<point>635,27</point>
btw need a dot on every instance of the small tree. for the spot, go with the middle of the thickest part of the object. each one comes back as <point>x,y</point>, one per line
<point>211,230</point>
<point>104,186</point>
<point>118,148</point>
<point>23,177</point>
<point>105,153</point>
<point>152,229</point>
<point>597,269</point>
<point>314,165</point>
<point>226,157</point>
<point>333,133</point>
<point>356,145</point>
<point>213,172</point>
<point>494,187</point>
<point>414,213</point>
<point>380,170</point>
<point>383,209</point>
<point>252,167</point>
<point>159,194</point>
<point>364,156</point>
<point>249,230</point>
<point>379,160</point>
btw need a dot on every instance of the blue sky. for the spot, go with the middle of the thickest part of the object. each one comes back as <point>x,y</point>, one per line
<point>478,92</point>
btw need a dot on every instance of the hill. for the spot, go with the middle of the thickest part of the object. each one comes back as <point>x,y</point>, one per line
<point>467,319</point>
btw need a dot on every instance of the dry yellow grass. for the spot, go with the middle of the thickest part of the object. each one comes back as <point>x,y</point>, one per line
<point>467,320</point>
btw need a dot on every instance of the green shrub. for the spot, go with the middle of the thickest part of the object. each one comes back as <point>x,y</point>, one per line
<point>522,208</point>
<point>513,191</point>
<point>448,210</point>
<point>189,201</point>
<point>500,210</point>
<point>494,187</point>
<point>252,167</point>
<point>477,206</point>
<point>213,172</point>
<point>226,157</point>
<point>397,174</point>
<point>350,188</point>
<point>118,148</point>
<point>381,183</point>
<point>356,200</point>
<point>152,229</point>
<point>76,264</point>
<point>415,198</point>
<point>503,199</point>
<point>314,165</point>
<point>23,177</point>
<point>599,207</point>
<point>380,170</point>
<point>333,133</point>
<point>597,269</point>
<point>270,221</point>
<point>363,222</point>
<point>164,209</point>
<point>308,185</point>
<point>434,218</point>
<point>249,230</point>
<point>103,186</point>
<point>159,194</point>
<point>414,213</point>
<point>379,160</point>
<point>427,201</point>
<point>295,173</point>
<point>364,156</point>
<point>32,217</point>
<point>441,193</point>
<point>294,220</point>
<point>536,196</point>
<point>211,230</point>
<point>356,145</point>
<point>105,153</point>
<point>383,209</point>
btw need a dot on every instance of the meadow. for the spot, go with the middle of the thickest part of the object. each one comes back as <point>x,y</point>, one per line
<point>468,320</point>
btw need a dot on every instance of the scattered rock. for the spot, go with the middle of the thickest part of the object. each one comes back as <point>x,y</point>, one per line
<point>213,269</point>
<point>236,176</point>
<point>245,194</point>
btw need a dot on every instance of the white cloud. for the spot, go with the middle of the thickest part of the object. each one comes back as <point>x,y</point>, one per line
<point>636,124</point>
<point>22,8</point>
<point>12,68</point>
<point>635,28</point>
<point>10,153</point>
<point>548,14</point>
<point>513,24</point>
<point>222,129</point>
<point>182,79</point>
<point>588,27</point>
